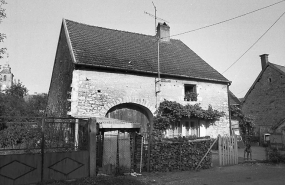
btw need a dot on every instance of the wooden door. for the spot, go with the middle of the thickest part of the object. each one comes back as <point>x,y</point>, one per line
<point>131,113</point>
<point>110,152</point>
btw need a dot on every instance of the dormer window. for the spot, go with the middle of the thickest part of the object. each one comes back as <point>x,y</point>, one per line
<point>190,92</point>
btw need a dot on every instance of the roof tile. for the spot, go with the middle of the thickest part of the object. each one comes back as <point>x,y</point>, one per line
<point>136,52</point>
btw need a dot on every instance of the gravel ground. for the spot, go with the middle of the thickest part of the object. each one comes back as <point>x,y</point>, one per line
<point>245,174</point>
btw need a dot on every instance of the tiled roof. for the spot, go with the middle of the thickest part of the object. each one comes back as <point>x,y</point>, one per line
<point>281,68</point>
<point>233,99</point>
<point>116,49</point>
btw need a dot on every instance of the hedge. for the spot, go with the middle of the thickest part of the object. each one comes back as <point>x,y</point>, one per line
<point>179,156</point>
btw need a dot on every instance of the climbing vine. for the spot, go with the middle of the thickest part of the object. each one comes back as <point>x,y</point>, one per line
<point>246,124</point>
<point>170,112</point>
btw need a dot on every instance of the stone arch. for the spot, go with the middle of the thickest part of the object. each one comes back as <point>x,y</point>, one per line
<point>142,102</point>
<point>142,112</point>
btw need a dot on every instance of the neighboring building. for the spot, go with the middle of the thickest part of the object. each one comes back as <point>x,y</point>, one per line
<point>6,77</point>
<point>101,72</point>
<point>234,122</point>
<point>265,100</point>
<point>234,100</point>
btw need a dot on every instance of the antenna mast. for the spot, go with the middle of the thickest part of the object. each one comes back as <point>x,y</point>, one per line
<point>154,18</point>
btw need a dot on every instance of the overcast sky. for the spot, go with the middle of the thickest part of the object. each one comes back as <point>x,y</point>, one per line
<point>32,28</point>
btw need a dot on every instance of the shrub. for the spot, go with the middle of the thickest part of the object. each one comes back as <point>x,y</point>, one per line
<point>275,156</point>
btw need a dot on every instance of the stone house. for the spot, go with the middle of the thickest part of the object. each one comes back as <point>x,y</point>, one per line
<point>234,122</point>
<point>100,72</point>
<point>265,100</point>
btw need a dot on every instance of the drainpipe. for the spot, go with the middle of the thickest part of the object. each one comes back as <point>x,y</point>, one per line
<point>230,122</point>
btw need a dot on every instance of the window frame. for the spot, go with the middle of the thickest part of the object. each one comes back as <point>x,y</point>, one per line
<point>192,90</point>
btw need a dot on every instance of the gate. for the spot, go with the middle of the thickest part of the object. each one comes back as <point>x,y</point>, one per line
<point>228,150</point>
<point>48,149</point>
<point>120,152</point>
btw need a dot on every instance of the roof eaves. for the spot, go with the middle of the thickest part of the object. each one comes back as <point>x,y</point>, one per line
<point>151,72</point>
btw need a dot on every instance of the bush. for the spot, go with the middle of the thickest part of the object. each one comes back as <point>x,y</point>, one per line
<point>275,156</point>
<point>173,156</point>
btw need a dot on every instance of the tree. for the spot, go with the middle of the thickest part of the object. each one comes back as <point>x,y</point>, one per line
<point>13,102</point>
<point>17,90</point>
<point>2,35</point>
<point>37,105</point>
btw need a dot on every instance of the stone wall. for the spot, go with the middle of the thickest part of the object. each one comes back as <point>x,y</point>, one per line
<point>58,103</point>
<point>266,101</point>
<point>95,92</point>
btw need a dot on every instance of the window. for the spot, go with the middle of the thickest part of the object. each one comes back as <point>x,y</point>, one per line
<point>190,93</point>
<point>4,78</point>
<point>184,128</point>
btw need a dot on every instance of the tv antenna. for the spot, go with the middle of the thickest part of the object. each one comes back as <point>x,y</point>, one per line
<point>155,17</point>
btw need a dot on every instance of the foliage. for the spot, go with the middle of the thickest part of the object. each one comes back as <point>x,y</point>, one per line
<point>20,135</point>
<point>170,112</point>
<point>37,105</point>
<point>17,90</point>
<point>2,16</point>
<point>191,96</point>
<point>13,108</point>
<point>275,156</point>
<point>13,102</point>
<point>246,124</point>
<point>172,156</point>
<point>26,134</point>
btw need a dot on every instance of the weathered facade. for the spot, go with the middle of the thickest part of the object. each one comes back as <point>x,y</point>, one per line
<point>100,72</point>
<point>265,100</point>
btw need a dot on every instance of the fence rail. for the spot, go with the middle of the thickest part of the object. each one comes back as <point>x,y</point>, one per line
<point>228,150</point>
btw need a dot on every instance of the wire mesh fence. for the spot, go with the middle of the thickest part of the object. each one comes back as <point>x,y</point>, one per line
<point>20,135</point>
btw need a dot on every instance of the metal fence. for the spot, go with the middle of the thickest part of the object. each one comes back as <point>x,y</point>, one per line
<point>19,135</point>
<point>47,149</point>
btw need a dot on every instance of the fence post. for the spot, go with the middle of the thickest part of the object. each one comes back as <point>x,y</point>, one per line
<point>220,149</point>
<point>92,146</point>
<point>42,149</point>
<point>76,134</point>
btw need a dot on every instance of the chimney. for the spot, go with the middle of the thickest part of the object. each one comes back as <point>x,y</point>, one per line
<point>163,32</point>
<point>264,60</point>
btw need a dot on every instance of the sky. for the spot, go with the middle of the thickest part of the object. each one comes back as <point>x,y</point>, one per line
<point>33,26</point>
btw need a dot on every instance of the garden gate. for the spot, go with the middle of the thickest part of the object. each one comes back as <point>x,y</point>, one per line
<point>228,150</point>
<point>35,149</point>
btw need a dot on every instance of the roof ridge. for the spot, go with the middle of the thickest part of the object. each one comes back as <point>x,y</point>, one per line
<point>115,29</point>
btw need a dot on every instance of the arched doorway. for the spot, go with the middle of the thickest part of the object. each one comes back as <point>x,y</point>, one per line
<point>134,113</point>
<point>119,142</point>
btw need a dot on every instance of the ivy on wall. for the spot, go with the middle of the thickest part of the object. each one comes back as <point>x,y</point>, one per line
<point>170,112</point>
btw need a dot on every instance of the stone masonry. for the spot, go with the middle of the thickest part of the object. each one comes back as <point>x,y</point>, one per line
<point>95,92</point>
<point>266,101</point>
